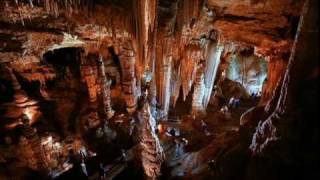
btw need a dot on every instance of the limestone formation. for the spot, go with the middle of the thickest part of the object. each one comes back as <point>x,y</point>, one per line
<point>105,84</point>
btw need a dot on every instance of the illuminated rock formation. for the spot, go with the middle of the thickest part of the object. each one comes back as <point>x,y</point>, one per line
<point>275,127</point>
<point>151,151</point>
<point>105,84</point>
<point>91,82</point>
<point>129,82</point>
<point>173,64</point>
<point>213,61</point>
<point>198,92</point>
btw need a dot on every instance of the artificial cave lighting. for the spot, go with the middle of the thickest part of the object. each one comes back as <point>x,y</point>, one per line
<point>159,89</point>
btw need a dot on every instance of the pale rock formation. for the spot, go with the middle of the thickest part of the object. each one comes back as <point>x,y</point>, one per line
<point>105,90</point>
<point>212,64</point>
<point>199,92</point>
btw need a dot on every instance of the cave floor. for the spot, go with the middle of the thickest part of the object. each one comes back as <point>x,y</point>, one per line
<point>201,146</point>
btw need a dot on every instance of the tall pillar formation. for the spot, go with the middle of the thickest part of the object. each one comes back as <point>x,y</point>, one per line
<point>197,107</point>
<point>105,90</point>
<point>129,82</point>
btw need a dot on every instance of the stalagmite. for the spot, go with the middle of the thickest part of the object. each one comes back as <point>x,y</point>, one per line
<point>105,90</point>
<point>151,151</point>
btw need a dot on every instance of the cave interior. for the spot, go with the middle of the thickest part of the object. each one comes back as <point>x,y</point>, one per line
<point>159,89</point>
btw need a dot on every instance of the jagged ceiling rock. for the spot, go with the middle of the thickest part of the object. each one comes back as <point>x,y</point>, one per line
<point>162,35</point>
<point>257,23</point>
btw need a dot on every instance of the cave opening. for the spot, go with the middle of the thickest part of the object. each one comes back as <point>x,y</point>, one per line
<point>66,61</point>
<point>249,70</point>
<point>65,110</point>
<point>6,90</point>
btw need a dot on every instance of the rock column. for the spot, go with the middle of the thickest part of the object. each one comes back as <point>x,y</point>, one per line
<point>129,82</point>
<point>151,151</point>
<point>199,92</point>
<point>105,90</point>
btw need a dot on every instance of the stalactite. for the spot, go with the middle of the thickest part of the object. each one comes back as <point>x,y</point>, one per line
<point>31,3</point>
<point>189,63</point>
<point>175,83</point>
<point>163,55</point>
<point>163,76</point>
<point>213,61</point>
<point>129,82</point>
<point>199,91</point>
<point>105,90</point>
<point>276,69</point>
<point>166,90</point>
<point>188,13</point>
<point>145,24</point>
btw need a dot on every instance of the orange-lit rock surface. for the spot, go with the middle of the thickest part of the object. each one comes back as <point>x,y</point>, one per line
<point>222,78</point>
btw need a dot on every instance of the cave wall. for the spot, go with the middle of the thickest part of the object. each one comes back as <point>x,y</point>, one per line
<point>169,40</point>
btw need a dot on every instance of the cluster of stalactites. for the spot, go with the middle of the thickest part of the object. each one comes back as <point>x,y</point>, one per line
<point>144,14</point>
<point>188,12</point>
<point>53,6</point>
<point>189,62</point>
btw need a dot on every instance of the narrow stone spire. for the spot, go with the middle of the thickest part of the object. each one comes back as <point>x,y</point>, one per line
<point>105,89</point>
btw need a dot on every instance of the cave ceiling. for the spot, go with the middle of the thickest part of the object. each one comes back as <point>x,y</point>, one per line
<point>31,29</point>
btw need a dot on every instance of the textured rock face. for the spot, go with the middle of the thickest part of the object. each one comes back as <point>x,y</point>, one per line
<point>199,92</point>
<point>166,38</point>
<point>275,127</point>
<point>249,71</point>
<point>129,81</point>
<point>151,151</point>
<point>105,90</point>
